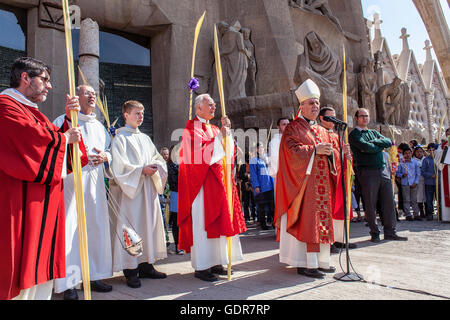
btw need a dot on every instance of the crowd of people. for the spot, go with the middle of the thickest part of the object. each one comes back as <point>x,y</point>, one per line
<point>134,194</point>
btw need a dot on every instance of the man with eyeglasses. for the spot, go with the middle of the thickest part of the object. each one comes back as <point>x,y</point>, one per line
<point>204,218</point>
<point>32,165</point>
<point>96,142</point>
<point>367,146</point>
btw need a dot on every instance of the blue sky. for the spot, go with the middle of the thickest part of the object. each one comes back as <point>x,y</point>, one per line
<point>397,14</point>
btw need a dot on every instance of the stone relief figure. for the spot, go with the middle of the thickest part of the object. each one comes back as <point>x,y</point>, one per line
<point>367,82</point>
<point>321,7</point>
<point>250,86</point>
<point>379,68</point>
<point>352,86</point>
<point>234,60</point>
<point>319,63</point>
<point>394,103</point>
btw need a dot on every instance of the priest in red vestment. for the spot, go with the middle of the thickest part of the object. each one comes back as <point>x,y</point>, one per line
<point>31,197</point>
<point>338,201</point>
<point>306,181</point>
<point>204,219</point>
<point>442,160</point>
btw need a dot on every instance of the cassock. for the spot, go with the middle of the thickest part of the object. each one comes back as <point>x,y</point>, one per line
<point>305,185</point>
<point>204,218</point>
<point>136,197</point>
<point>337,200</point>
<point>442,160</point>
<point>31,196</point>
<point>94,135</point>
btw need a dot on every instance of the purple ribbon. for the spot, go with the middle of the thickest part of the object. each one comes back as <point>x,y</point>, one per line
<point>193,84</point>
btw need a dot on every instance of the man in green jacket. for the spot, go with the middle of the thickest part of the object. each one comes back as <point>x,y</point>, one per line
<point>367,146</point>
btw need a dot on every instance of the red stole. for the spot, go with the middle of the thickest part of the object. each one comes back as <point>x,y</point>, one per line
<point>84,158</point>
<point>194,172</point>
<point>338,202</point>
<point>445,180</point>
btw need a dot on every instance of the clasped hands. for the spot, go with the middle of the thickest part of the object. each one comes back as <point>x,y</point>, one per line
<point>327,149</point>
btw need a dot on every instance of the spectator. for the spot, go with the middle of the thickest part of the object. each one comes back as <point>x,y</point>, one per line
<point>172,169</point>
<point>248,199</point>
<point>428,171</point>
<point>400,149</point>
<point>263,188</point>
<point>164,198</point>
<point>418,155</point>
<point>413,144</point>
<point>367,146</point>
<point>409,172</point>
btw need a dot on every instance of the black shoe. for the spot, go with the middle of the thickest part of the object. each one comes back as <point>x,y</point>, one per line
<point>375,239</point>
<point>429,218</point>
<point>409,218</point>
<point>133,282</point>
<point>146,270</point>
<point>71,294</point>
<point>312,273</point>
<point>333,249</point>
<point>220,270</point>
<point>264,227</point>
<point>205,275</point>
<point>341,245</point>
<point>99,286</point>
<point>418,219</point>
<point>395,238</point>
<point>329,270</point>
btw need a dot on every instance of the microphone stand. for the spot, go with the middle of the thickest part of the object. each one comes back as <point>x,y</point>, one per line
<point>345,276</point>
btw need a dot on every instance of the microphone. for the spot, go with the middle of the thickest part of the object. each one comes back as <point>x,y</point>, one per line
<point>335,121</point>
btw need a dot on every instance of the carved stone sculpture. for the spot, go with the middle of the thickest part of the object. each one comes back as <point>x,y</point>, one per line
<point>319,63</point>
<point>234,60</point>
<point>367,82</point>
<point>321,7</point>
<point>250,85</point>
<point>352,86</point>
<point>394,103</point>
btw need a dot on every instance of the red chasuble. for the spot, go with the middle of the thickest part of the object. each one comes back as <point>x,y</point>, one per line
<point>194,172</point>
<point>31,198</point>
<point>306,199</point>
<point>445,180</point>
<point>338,202</point>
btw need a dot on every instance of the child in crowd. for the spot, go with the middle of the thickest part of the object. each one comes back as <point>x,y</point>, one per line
<point>409,172</point>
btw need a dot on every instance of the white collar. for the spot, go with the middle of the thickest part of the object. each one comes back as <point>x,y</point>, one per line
<point>19,97</point>
<point>203,120</point>
<point>310,122</point>
<point>361,129</point>
<point>127,128</point>
<point>87,117</point>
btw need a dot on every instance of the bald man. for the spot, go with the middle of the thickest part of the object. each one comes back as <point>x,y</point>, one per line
<point>96,142</point>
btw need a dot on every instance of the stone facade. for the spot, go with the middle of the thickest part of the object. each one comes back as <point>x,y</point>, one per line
<point>279,29</point>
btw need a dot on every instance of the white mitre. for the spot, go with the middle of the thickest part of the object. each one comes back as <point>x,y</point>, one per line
<point>307,90</point>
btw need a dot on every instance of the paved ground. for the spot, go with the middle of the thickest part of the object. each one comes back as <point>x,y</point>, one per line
<point>419,268</point>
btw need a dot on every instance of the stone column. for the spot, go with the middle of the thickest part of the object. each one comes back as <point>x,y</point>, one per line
<point>48,45</point>
<point>429,97</point>
<point>88,53</point>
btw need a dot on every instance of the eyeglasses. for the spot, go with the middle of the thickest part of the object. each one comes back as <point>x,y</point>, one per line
<point>46,80</point>
<point>89,93</point>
